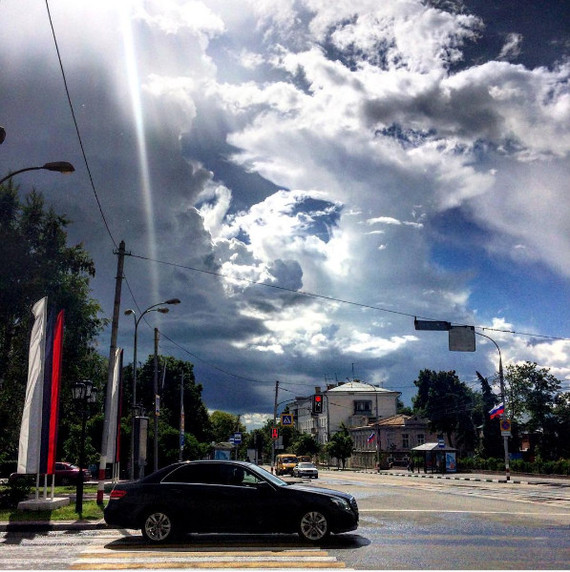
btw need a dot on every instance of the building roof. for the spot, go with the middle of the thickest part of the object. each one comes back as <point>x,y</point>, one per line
<point>359,386</point>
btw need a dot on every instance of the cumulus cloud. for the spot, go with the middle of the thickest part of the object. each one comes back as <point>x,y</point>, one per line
<point>305,163</point>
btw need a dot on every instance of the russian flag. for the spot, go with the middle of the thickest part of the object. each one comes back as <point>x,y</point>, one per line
<point>371,437</point>
<point>497,410</point>
<point>38,430</point>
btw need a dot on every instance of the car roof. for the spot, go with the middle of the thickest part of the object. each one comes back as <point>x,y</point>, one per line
<point>161,473</point>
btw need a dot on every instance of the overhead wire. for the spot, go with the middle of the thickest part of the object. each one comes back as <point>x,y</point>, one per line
<point>335,299</point>
<point>76,125</point>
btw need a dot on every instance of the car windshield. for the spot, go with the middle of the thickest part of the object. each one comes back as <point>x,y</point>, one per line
<point>306,466</point>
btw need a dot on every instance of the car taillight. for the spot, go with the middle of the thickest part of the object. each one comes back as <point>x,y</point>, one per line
<point>117,494</point>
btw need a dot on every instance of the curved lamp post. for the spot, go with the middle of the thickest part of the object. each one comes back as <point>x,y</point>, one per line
<point>154,308</point>
<point>83,392</point>
<point>58,166</point>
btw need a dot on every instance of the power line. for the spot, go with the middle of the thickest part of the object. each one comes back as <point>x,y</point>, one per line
<point>76,125</point>
<point>334,299</point>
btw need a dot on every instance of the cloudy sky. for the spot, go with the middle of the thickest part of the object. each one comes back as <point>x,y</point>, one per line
<point>307,176</point>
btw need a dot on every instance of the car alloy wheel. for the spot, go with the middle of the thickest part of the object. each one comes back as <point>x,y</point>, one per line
<point>314,526</point>
<point>157,527</point>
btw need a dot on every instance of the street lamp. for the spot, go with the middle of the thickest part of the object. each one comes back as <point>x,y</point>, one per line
<point>83,392</point>
<point>58,166</point>
<point>130,312</point>
<point>462,338</point>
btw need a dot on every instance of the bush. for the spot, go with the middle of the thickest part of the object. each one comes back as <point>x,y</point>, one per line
<point>14,492</point>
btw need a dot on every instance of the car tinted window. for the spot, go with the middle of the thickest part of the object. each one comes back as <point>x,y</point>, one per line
<point>194,474</point>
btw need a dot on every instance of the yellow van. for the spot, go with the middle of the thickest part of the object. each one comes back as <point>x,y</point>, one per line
<point>284,464</point>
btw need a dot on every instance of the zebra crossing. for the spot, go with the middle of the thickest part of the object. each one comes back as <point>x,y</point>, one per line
<point>113,552</point>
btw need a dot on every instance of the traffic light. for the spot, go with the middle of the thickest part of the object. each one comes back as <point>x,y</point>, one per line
<point>317,403</point>
<point>274,433</point>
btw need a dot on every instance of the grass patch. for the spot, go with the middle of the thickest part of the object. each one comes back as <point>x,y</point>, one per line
<point>91,511</point>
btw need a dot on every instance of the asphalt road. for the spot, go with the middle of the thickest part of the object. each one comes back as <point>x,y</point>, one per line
<point>406,523</point>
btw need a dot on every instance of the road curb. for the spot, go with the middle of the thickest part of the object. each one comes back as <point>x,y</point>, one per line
<point>479,479</point>
<point>39,526</point>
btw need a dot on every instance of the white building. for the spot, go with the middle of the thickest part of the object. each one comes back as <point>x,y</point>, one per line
<point>353,404</point>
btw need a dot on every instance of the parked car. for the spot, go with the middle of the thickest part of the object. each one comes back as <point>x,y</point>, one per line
<point>227,497</point>
<point>65,474</point>
<point>306,470</point>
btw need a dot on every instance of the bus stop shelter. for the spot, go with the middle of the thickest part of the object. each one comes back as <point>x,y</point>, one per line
<point>436,458</point>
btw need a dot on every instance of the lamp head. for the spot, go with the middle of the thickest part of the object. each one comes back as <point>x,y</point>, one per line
<point>129,312</point>
<point>60,167</point>
<point>172,301</point>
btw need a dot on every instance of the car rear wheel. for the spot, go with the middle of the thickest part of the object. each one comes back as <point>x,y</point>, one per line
<point>158,527</point>
<point>314,526</point>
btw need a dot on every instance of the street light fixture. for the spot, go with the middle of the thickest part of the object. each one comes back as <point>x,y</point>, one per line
<point>58,166</point>
<point>83,392</point>
<point>154,308</point>
<point>462,338</point>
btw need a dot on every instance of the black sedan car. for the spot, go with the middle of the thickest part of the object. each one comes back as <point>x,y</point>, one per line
<point>227,497</point>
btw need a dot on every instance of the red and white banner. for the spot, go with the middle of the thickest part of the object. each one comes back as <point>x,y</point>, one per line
<point>38,432</point>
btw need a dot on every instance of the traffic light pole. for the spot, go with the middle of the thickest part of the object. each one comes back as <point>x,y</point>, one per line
<point>274,425</point>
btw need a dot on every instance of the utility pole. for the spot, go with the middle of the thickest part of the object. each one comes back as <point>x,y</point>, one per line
<point>156,399</point>
<point>112,356</point>
<point>181,434</point>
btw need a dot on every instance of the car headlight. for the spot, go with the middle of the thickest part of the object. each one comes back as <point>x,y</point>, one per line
<point>341,503</point>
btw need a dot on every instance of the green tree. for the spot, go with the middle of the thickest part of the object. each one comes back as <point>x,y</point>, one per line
<point>491,441</point>
<point>562,414</point>
<point>37,262</point>
<point>306,444</point>
<point>171,372</point>
<point>340,445</point>
<point>447,402</point>
<point>531,399</point>
<point>224,425</point>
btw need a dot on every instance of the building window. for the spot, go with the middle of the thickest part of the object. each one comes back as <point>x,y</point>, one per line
<point>421,439</point>
<point>405,441</point>
<point>362,407</point>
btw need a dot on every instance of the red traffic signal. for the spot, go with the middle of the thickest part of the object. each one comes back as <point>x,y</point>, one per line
<point>274,433</point>
<point>317,403</point>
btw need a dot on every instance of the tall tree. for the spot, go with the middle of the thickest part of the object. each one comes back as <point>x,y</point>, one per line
<point>341,444</point>
<point>224,425</point>
<point>491,442</point>
<point>37,262</point>
<point>531,402</point>
<point>447,402</point>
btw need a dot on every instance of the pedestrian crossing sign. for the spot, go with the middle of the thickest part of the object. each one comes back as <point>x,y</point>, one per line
<point>286,419</point>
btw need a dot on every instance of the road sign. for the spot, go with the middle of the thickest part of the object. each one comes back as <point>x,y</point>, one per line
<point>441,443</point>
<point>506,427</point>
<point>462,339</point>
<point>237,438</point>
<point>432,325</point>
<point>286,419</point>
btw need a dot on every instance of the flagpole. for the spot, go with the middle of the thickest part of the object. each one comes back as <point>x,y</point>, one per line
<point>504,413</point>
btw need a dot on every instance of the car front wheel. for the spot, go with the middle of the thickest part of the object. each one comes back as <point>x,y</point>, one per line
<point>158,527</point>
<point>314,526</point>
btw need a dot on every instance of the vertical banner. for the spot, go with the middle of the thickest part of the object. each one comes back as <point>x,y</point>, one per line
<point>50,401</point>
<point>115,410</point>
<point>30,430</point>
